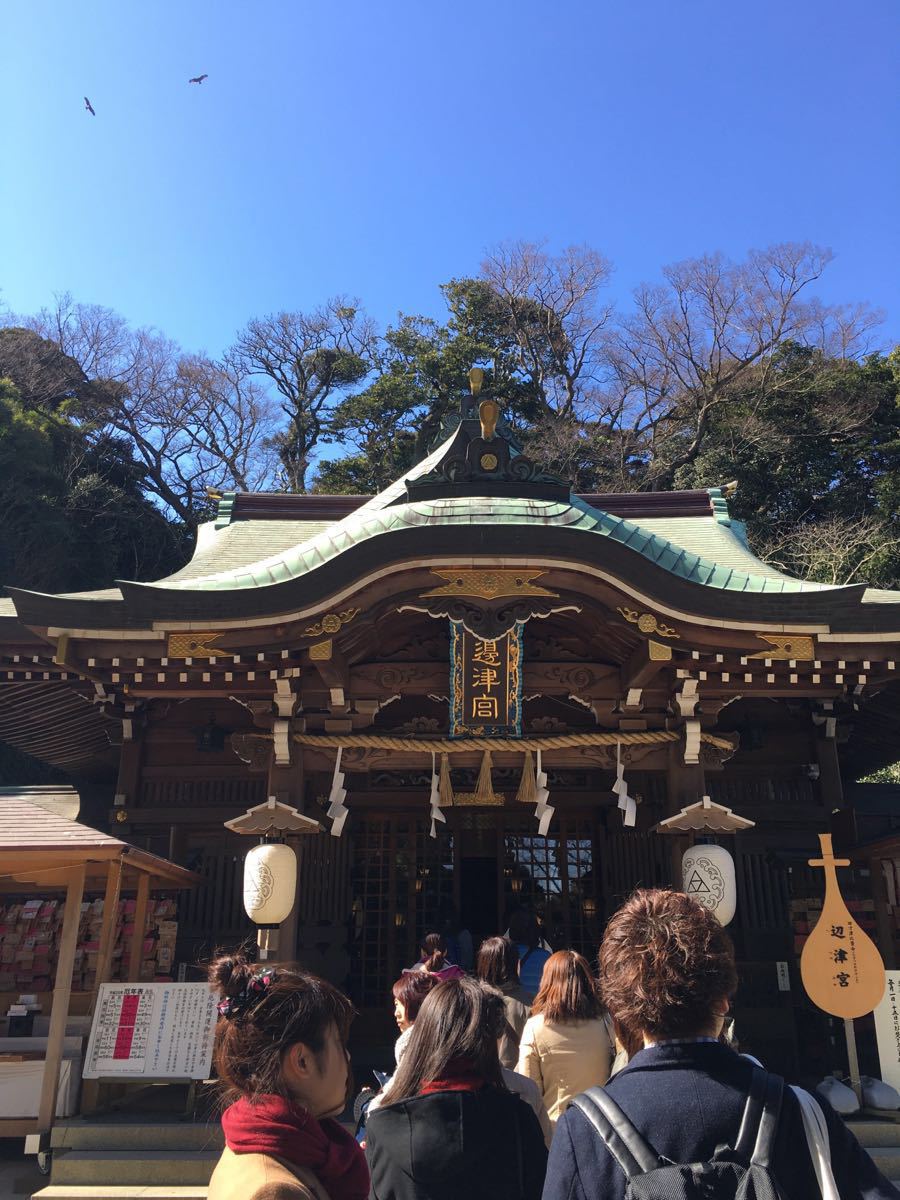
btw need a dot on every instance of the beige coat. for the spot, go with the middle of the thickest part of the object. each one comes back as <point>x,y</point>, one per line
<point>564,1060</point>
<point>514,1001</point>
<point>261,1177</point>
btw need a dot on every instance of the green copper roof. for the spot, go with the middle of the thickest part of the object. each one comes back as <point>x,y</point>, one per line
<point>741,573</point>
<point>247,555</point>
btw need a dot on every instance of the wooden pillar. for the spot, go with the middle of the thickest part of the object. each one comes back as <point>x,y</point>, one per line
<point>884,930</point>
<point>287,784</point>
<point>832,788</point>
<point>130,757</point>
<point>108,928</point>
<point>62,991</point>
<point>287,930</point>
<point>685,784</point>
<point>140,924</point>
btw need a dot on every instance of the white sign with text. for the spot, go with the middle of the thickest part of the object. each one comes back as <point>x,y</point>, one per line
<point>152,1031</point>
<point>887,1030</point>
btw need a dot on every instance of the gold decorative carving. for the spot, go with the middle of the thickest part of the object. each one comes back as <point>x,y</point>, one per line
<point>659,652</point>
<point>648,623</point>
<point>477,800</point>
<point>193,645</point>
<point>331,623</point>
<point>489,415</point>
<point>476,378</point>
<point>488,462</point>
<point>783,646</point>
<point>489,585</point>
<point>321,651</point>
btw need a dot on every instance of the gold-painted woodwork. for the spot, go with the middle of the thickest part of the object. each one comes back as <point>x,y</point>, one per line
<point>476,378</point>
<point>476,800</point>
<point>648,623</point>
<point>332,622</point>
<point>488,585</point>
<point>321,651</point>
<point>784,646</point>
<point>193,645</point>
<point>489,415</point>
<point>659,652</point>
<point>488,462</point>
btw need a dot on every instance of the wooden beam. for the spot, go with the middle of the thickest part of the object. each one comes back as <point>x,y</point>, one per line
<point>334,672</point>
<point>140,923</point>
<point>61,994</point>
<point>645,663</point>
<point>830,784</point>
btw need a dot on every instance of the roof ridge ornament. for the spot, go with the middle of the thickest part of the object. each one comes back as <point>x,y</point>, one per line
<point>481,458</point>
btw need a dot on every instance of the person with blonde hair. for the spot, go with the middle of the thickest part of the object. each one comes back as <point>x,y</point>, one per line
<point>565,1046</point>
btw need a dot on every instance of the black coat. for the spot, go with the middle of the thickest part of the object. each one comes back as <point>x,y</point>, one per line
<point>483,1145</point>
<point>686,1100</point>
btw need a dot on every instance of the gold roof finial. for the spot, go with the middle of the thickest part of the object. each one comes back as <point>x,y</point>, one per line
<point>489,415</point>
<point>476,378</point>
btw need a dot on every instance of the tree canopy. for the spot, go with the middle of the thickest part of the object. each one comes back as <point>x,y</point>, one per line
<point>111,437</point>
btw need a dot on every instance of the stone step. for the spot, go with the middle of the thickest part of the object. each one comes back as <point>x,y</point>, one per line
<point>875,1133</point>
<point>186,1168</point>
<point>115,1192</point>
<point>136,1135</point>
<point>886,1159</point>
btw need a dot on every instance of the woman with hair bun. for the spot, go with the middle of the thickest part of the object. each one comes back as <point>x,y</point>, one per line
<point>434,958</point>
<point>281,1057</point>
<point>565,1046</point>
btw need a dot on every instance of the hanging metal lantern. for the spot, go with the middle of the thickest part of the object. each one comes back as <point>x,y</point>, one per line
<point>708,876</point>
<point>270,883</point>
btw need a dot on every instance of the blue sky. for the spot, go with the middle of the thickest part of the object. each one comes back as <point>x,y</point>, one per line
<point>376,149</point>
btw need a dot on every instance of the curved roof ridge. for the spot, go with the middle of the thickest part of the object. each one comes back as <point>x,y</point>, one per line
<point>383,514</point>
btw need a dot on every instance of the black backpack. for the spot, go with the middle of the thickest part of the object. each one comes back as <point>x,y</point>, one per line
<point>742,1173</point>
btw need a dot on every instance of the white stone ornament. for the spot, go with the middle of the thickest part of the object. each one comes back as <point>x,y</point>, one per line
<point>270,883</point>
<point>708,877</point>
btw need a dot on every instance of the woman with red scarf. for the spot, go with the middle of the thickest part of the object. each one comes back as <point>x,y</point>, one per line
<point>282,1061</point>
<point>448,1127</point>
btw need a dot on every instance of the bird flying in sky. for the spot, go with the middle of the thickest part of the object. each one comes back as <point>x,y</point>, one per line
<point>198,79</point>
<point>89,107</point>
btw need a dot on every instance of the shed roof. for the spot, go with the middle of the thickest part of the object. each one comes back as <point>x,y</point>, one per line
<point>30,833</point>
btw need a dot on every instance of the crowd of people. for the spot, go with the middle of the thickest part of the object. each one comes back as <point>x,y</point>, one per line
<point>532,1077</point>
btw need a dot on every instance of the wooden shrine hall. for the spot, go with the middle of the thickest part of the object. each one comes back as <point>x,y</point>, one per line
<point>489,655</point>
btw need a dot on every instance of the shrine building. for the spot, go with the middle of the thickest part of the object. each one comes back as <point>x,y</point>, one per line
<point>468,631</point>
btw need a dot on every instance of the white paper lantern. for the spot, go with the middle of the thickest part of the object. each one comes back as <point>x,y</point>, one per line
<point>708,877</point>
<point>270,883</point>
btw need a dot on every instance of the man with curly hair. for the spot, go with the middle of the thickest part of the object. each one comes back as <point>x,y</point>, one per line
<point>667,976</point>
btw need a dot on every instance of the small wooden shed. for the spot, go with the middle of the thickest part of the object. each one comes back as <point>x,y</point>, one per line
<point>42,850</point>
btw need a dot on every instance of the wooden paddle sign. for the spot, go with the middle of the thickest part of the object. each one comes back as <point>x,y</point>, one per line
<point>841,968</point>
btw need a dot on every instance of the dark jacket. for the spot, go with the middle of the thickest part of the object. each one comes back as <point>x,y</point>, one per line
<point>484,1145</point>
<point>686,1100</point>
